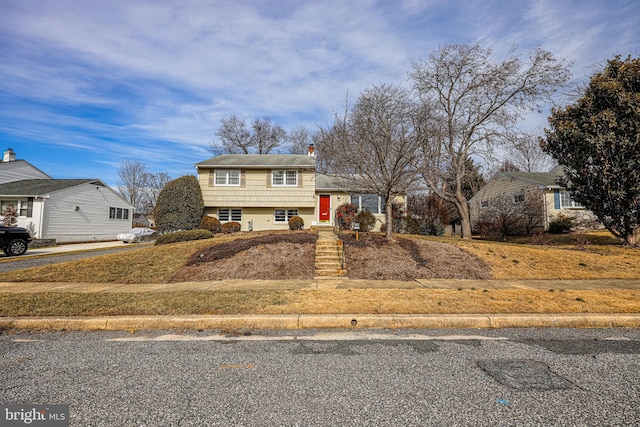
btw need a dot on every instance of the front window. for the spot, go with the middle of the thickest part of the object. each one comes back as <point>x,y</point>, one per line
<point>227,177</point>
<point>285,178</point>
<point>567,202</point>
<point>284,215</point>
<point>230,215</point>
<point>368,202</point>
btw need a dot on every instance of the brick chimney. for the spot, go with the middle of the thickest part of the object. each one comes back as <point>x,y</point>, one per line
<point>9,155</point>
<point>312,150</point>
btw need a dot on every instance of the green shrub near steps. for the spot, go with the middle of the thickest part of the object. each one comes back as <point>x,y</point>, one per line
<point>184,236</point>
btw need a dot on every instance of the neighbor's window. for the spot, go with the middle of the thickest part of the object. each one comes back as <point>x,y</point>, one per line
<point>368,202</point>
<point>567,202</point>
<point>284,215</point>
<point>484,204</point>
<point>118,213</point>
<point>227,215</point>
<point>518,198</point>
<point>227,177</point>
<point>21,206</point>
<point>284,178</point>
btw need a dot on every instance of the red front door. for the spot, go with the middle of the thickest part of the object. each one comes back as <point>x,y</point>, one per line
<point>325,207</point>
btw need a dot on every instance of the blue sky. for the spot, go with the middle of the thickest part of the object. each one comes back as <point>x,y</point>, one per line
<point>87,84</point>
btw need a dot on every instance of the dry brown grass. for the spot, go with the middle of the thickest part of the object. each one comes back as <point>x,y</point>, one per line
<point>568,257</point>
<point>327,301</point>
<point>516,261</point>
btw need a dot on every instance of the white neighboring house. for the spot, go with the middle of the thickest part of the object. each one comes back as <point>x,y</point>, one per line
<point>68,210</point>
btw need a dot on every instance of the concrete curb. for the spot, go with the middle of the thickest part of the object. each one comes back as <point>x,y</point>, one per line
<point>317,321</point>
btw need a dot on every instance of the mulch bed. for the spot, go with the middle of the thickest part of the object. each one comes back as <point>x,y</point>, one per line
<point>291,256</point>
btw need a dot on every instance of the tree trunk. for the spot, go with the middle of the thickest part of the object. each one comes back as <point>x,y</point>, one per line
<point>389,211</point>
<point>633,239</point>
<point>465,223</point>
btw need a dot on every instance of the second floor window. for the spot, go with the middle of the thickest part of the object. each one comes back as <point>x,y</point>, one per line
<point>285,178</point>
<point>227,177</point>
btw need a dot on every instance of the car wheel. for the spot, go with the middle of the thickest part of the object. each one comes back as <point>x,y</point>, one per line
<point>16,247</point>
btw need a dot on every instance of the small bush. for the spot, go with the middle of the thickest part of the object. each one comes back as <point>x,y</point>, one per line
<point>540,239</point>
<point>346,214</point>
<point>432,229</point>
<point>409,225</point>
<point>184,236</point>
<point>296,223</point>
<point>366,220</point>
<point>212,224</point>
<point>231,227</point>
<point>561,225</point>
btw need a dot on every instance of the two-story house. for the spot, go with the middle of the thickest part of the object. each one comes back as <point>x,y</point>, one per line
<point>262,191</point>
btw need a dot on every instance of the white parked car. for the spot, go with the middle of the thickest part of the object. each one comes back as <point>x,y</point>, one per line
<point>137,235</point>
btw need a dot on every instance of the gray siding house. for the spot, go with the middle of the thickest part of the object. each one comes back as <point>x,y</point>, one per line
<point>68,210</point>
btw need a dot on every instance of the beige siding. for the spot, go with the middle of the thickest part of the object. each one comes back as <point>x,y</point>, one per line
<point>495,188</point>
<point>264,218</point>
<point>256,191</point>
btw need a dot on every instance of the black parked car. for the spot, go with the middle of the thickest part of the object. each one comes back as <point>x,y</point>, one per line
<point>14,240</point>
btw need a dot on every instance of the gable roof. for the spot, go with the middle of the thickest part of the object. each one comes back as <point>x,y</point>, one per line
<point>260,161</point>
<point>39,187</point>
<point>544,179</point>
<point>16,170</point>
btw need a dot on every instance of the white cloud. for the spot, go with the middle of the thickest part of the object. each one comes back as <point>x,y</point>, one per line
<point>153,78</point>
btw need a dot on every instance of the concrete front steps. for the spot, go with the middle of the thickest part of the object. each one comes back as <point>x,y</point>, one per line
<point>328,253</point>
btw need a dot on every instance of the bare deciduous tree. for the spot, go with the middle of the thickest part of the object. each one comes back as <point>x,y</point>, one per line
<point>471,101</point>
<point>373,146</point>
<point>131,181</point>
<point>139,186</point>
<point>233,137</point>
<point>299,140</point>
<point>512,215</point>
<point>154,183</point>
<point>525,152</point>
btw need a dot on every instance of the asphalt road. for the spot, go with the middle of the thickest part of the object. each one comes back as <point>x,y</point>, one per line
<point>523,377</point>
<point>21,262</point>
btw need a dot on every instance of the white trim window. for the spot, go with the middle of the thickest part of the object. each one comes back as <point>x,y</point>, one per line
<point>368,202</point>
<point>567,202</point>
<point>228,177</point>
<point>284,215</point>
<point>284,178</point>
<point>229,215</point>
<point>118,213</point>
<point>21,206</point>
